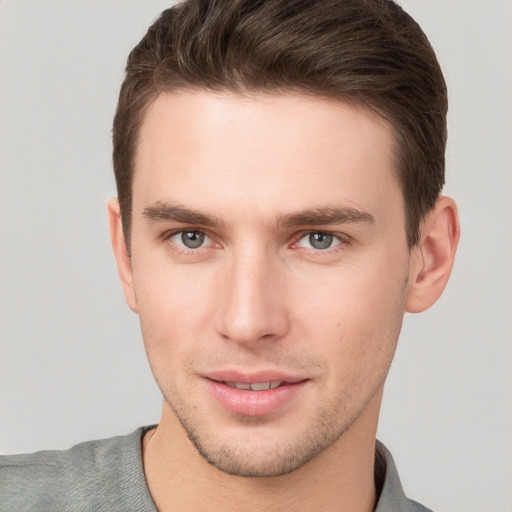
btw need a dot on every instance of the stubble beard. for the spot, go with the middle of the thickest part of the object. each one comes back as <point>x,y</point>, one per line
<point>254,457</point>
<point>258,454</point>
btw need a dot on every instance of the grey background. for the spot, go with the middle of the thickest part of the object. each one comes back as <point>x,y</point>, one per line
<point>72,365</point>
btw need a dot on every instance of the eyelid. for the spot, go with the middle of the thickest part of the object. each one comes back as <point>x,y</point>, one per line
<point>171,232</point>
<point>209,239</point>
<point>343,239</point>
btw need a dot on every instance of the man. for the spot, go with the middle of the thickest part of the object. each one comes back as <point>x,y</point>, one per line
<point>279,168</point>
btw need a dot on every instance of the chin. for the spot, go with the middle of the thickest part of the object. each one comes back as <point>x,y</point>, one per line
<point>255,449</point>
<point>259,462</point>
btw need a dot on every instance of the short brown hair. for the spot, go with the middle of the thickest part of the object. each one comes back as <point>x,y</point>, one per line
<point>365,51</point>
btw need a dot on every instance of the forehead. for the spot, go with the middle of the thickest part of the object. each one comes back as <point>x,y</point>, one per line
<point>268,150</point>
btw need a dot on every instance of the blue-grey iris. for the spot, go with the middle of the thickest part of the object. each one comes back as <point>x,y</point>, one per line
<point>192,239</point>
<point>320,240</point>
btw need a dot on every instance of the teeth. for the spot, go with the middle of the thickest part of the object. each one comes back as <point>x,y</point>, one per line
<point>260,386</point>
<point>255,386</point>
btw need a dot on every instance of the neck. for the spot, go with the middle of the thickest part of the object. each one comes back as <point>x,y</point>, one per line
<point>340,478</point>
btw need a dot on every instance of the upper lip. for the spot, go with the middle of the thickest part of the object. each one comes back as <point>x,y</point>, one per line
<point>251,377</point>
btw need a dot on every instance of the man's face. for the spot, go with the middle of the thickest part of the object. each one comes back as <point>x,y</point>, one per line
<point>268,251</point>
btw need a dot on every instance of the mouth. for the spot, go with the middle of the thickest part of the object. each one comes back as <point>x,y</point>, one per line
<point>255,395</point>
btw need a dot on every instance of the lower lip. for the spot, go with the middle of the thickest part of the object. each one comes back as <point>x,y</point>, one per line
<point>253,403</point>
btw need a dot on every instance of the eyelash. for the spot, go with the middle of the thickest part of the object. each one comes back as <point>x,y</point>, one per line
<point>182,250</point>
<point>343,241</point>
<point>341,238</point>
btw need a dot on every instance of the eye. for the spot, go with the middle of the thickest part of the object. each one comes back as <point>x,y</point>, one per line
<point>319,241</point>
<point>189,239</point>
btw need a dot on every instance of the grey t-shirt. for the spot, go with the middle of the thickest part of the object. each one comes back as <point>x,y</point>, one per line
<point>107,475</point>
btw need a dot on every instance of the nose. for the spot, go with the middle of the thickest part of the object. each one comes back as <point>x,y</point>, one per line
<point>252,299</point>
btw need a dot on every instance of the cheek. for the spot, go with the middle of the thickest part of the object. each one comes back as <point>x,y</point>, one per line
<point>171,295</point>
<point>353,315</point>
<point>173,308</point>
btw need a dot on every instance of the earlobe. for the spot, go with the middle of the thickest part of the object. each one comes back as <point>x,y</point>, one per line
<point>432,259</point>
<point>124,265</point>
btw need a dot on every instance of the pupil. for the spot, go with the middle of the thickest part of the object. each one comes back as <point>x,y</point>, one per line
<point>192,239</point>
<point>320,240</point>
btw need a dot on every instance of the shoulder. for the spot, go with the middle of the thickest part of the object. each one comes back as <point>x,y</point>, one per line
<point>89,476</point>
<point>414,506</point>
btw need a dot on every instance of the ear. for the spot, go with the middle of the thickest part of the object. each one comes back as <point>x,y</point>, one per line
<point>124,264</point>
<point>432,259</point>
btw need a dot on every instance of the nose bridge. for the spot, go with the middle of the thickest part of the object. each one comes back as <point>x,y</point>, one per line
<point>253,305</point>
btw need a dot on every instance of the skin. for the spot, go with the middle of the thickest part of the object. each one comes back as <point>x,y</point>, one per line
<point>260,177</point>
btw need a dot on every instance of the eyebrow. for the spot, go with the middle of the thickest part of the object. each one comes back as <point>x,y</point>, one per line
<point>165,212</point>
<point>325,216</point>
